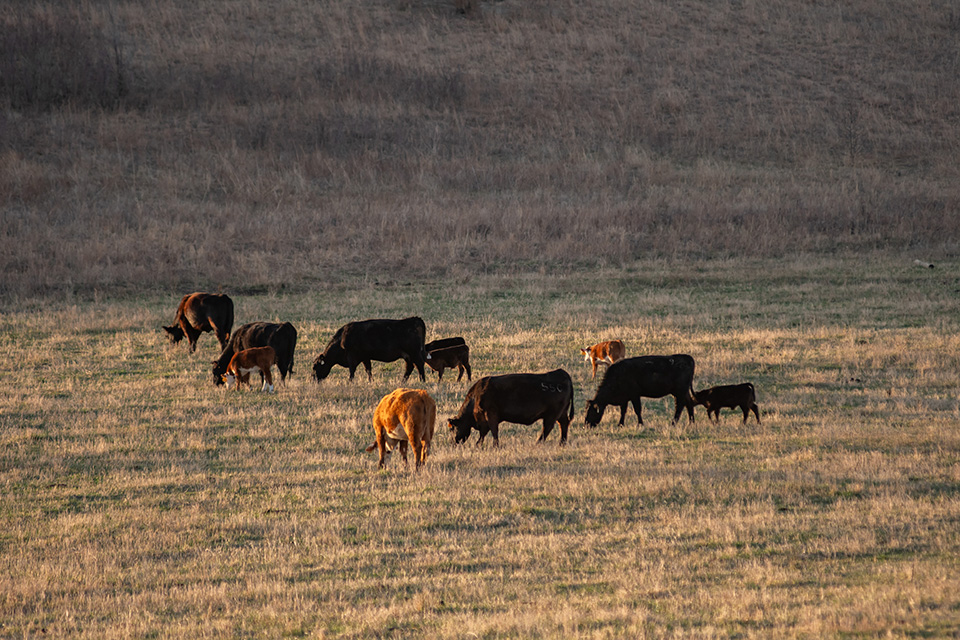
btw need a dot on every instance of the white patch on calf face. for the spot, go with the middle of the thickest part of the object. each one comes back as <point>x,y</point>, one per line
<point>230,380</point>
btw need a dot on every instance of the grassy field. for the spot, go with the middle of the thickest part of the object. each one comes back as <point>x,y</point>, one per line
<point>140,501</point>
<point>747,182</point>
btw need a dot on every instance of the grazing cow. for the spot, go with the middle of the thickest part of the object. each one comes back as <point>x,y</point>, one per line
<point>452,357</point>
<point>282,337</point>
<point>199,312</point>
<point>243,363</point>
<point>729,396</point>
<point>523,398</point>
<point>645,376</point>
<point>604,353</point>
<point>404,416</point>
<point>381,340</point>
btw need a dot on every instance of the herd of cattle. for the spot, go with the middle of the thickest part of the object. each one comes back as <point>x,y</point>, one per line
<point>409,415</point>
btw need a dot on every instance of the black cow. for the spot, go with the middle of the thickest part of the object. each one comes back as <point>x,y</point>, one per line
<point>443,343</point>
<point>449,353</point>
<point>729,396</point>
<point>630,379</point>
<point>199,312</point>
<point>381,340</point>
<point>282,337</point>
<point>523,398</point>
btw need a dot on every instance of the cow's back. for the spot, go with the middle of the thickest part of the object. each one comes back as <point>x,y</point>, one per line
<point>407,412</point>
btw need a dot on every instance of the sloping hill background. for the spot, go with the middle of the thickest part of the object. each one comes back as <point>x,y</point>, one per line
<point>258,144</point>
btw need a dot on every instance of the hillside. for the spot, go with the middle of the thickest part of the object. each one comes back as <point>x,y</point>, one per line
<point>170,144</point>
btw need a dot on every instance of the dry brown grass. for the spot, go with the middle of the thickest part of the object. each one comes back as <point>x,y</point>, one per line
<point>266,142</point>
<point>136,500</point>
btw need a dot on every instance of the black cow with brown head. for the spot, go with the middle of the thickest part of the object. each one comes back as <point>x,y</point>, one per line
<point>282,337</point>
<point>383,340</point>
<point>522,398</point>
<point>200,312</point>
<point>629,380</point>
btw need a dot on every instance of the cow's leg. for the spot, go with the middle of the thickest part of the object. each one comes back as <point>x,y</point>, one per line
<point>637,408</point>
<point>547,428</point>
<point>268,382</point>
<point>423,375</point>
<point>460,371</point>
<point>564,426</point>
<point>381,444</point>
<point>495,432</point>
<point>756,411</point>
<point>439,374</point>
<point>482,430</point>
<point>466,366</point>
<point>369,367</point>
<point>403,452</point>
<point>623,413</point>
<point>192,335</point>
<point>408,369</point>
<point>678,409</point>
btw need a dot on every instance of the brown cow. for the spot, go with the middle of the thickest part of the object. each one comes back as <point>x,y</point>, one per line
<point>243,363</point>
<point>604,353</point>
<point>730,396</point>
<point>200,312</point>
<point>404,416</point>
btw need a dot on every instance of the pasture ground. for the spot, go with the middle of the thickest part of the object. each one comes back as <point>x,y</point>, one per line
<point>139,501</point>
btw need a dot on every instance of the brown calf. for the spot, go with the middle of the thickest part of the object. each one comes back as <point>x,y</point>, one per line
<point>455,357</point>
<point>243,363</point>
<point>729,396</point>
<point>604,353</point>
<point>404,416</point>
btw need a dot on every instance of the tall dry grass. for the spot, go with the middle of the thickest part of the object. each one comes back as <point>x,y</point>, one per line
<point>191,145</point>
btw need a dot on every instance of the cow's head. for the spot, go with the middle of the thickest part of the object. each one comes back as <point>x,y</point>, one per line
<point>174,333</point>
<point>594,414</point>
<point>218,371</point>
<point>321,368</point>
<point>460,428</point>
<point>229,379</point>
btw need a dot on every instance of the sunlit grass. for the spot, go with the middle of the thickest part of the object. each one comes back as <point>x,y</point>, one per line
<point>139,500</point>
